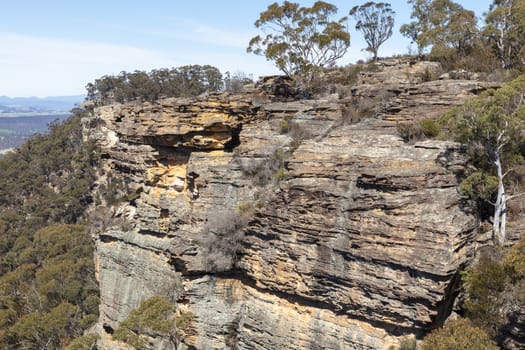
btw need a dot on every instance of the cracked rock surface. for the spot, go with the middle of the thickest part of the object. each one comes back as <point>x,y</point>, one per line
<point>350,238</point>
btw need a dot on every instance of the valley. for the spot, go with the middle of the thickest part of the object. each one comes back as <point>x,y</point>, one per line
<point>16,129</point>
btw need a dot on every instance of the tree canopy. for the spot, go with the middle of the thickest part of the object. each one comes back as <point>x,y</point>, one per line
<point>48,291</point>
<point>375,21</point>
<point>183,81</point>
<point>493,126</point>
<point>299,39</point>
<point>460,334</point>
<point>155,316</point>
<point>505,25</point>
<point>441,24</point>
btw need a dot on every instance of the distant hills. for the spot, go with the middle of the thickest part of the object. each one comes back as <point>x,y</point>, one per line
<point>36,105</point>
<point>22,117</point>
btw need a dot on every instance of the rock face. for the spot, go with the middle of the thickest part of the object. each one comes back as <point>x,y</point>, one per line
<point>279,226</point>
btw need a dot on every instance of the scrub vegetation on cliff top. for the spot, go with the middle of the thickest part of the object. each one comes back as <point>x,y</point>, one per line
<point>48,291</point>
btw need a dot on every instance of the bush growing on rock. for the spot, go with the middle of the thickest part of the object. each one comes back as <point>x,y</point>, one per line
<point>86,342</point>
<point>222,238</point>
<point>155,316</point>
<point>460,334</point>
<point>485,283</point>
<point>494,289</point>
<point>423,129</point>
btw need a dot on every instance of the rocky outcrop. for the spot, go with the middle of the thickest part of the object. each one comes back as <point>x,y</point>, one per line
<point>513,334</point>
<point>277,224</point>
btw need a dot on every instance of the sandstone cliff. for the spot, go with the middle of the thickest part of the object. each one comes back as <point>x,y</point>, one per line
<point>280,224</point>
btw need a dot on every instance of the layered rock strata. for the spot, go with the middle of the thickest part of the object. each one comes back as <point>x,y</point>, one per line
<point>278,225</point>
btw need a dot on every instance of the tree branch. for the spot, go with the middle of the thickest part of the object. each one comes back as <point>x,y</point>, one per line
<point>515,196</point>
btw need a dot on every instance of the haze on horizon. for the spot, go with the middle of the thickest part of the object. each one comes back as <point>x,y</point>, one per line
<point>56,47</point>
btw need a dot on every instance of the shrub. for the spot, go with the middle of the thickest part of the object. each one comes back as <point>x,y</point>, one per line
<point>408,343</point>
<point>285,125</point>
<point>222,238</point>
<point>460,334</point>
<point>423,129</point>
<point>430,128</point>
<point>359,108</point>
<point>86,342</point>
<point>262,170</point>
<point>280,174</point>
<point>428,75</point>
<point>514,261</point>
<point>154,315</point>
<point>484,283</point>
<point>183,322</point>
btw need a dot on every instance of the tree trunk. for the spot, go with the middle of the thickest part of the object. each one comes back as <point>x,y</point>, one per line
<point>500,207</point>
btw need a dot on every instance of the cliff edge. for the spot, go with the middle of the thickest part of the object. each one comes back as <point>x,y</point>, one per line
<point>283,223</point>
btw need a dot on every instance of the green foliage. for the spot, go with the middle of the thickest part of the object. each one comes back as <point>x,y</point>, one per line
<point>514,262</point>
<point>491,123</point>
<point>300,39</point>
<point>49,176</point>
<point>183,322</point>
<point>284,125</point>
<point>50,330</point>
<point>245,208</point>
<point>430,128</point>
<point>48,291</point>
<point>408,343</point>
<point>479,185</point>
<point>458,335</point>
<point>86,342</point>
<point>494,287</point>
<point>442,24</point>
<point>425,128</point>
<point>58,284</point>
<point>504,29</point>
<point>183,81</point>
<point>375,21</point>
<point>280,174</point>
<point>484,284</point>
<point>481,119</point>
<point>154,316</point>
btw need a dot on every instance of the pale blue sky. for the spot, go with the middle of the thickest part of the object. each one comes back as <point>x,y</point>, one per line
<point>55,47</point>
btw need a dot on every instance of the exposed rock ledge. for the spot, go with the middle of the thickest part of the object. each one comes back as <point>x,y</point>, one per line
<point>359,241</point>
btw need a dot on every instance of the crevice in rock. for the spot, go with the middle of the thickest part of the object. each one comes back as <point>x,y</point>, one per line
<point>447,303</point>
<point>151,233</point>
<point>105,238</point>
<point>315,304</point>
<point>235,140</point>
<point>108,329</point>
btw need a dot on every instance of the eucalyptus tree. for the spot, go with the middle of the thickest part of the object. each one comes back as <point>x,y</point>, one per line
<point>493,127</point>
<point>375,21</point>
<point>440,24</point>
<point>300,39</point>
<point>505,25</point>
